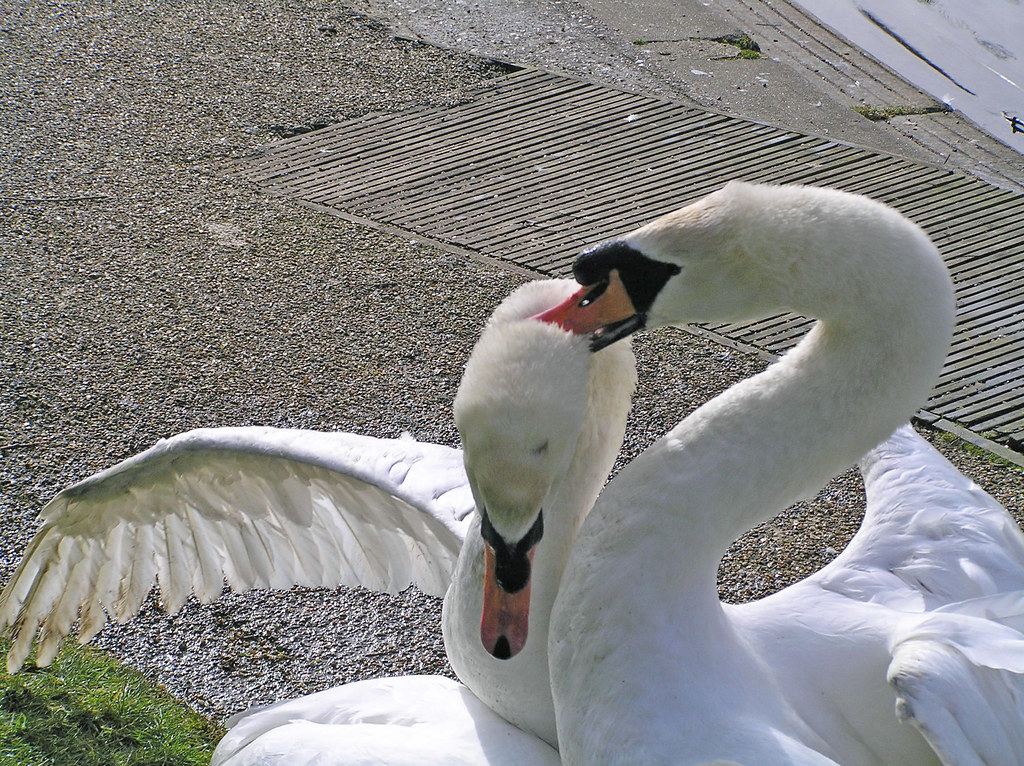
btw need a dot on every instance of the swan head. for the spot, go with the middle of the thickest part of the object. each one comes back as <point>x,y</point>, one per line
<point>745,251</point>
<point>520,412</point>
<point>687,261</point>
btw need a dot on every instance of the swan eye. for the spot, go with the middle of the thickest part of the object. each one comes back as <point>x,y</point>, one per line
<point>595,293</point>
<point>542,448</point>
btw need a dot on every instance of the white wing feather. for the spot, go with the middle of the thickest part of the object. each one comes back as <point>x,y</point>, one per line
<point>949,561</point>
<point>258,507</point>
<point>930,535</point>
<point>959,680</point>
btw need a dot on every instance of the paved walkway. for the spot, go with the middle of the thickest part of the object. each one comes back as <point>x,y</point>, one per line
<point>808,78</point>
<point>448,170</point>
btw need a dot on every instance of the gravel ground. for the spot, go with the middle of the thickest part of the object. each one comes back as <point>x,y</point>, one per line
<point>144,294</point>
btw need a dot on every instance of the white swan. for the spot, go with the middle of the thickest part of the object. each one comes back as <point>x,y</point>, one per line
<point>917,620</point>
<point>272,508</point>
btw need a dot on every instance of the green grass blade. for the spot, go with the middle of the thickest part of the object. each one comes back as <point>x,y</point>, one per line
<point>88,710</point>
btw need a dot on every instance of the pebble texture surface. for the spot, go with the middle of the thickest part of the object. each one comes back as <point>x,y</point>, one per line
<point>144,293</point>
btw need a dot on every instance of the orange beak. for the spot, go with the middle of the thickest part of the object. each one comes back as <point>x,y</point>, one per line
<point>505,621</point>
<point>593,307</point>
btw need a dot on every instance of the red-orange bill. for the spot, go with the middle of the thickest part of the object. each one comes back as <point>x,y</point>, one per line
<point>505,621</point>
<point>592,307</point>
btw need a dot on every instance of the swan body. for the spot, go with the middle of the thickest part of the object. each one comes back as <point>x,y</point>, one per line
<point>264,507</point>
<point>931,587</point>
<point>917,621</point>
<point>404,721</point>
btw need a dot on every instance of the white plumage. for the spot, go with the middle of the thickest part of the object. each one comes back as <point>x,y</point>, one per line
<point>405,721</point>
<point>273,508</point>
<point>257,507</point>
<point>907,648</point>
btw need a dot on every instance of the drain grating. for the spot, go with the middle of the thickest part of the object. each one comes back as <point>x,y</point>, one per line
<point>540,165</point>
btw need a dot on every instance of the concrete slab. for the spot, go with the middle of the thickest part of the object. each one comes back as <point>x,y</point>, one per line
<point>808,78</point>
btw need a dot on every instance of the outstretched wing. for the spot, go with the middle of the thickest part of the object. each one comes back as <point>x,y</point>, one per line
<point>949,561</point>
<point>959,680</point>
<point>259,507</point>
<point>930,535</point>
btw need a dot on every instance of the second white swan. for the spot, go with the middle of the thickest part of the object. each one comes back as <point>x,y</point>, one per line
<point>917,621</point>
<point>267,507</point>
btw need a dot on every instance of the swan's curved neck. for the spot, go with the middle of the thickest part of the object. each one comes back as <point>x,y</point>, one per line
<point>519,688</point>
<point>638,615</point>
<point>778,437</point>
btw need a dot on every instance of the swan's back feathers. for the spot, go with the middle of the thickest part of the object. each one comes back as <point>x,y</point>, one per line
<point>930,535</point>
<point>407,720</point>
<point>259,507</point>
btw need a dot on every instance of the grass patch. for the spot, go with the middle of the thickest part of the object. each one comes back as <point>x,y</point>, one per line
<point>88,710</point>
<point>978,451</point>
<point>876,114</point>
<point>748,48</point>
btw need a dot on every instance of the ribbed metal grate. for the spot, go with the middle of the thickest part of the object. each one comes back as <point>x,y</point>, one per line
<point>540,165</point>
